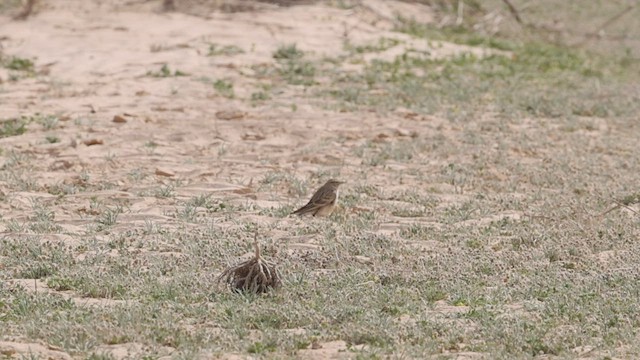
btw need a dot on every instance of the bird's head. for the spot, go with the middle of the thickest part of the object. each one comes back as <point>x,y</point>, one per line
<point>334,182</point>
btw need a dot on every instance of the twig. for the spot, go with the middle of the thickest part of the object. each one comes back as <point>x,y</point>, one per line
<point>255,243</point>
<point>615,207</point>
<point>606,24</point>
<point>628,208</point>
<point>619,204</point>
<point>460,17</point>
<point>513,11</point>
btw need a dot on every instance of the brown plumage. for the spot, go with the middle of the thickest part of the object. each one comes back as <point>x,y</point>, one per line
<point>323,202</point>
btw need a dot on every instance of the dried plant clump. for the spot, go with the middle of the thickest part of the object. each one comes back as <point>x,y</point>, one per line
<point>26,11</point>
<point>169,5</point>
<point>256,275</point>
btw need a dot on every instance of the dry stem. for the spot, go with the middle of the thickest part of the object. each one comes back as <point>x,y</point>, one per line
<point>256,275</point>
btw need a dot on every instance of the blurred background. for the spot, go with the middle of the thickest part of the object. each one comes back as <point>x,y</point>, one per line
<point>602,26</point>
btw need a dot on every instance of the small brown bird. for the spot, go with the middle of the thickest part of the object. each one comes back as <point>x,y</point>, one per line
<point>323,201</point>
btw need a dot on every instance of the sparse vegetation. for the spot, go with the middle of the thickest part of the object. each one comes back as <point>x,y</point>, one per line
<point>225,50</point>
<point>292,67</point>
<point>259,96</point>
<point>18,64</point>
<point>13,127</point>
<point>459,86</point>
<point>165,71</point>
<point>52,139</point>
<point>224,88</point>
<point>288,52</point>
<point>19,68</point>
<point>381,45</point>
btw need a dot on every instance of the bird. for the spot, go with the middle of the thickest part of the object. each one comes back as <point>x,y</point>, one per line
<point>323,202</point>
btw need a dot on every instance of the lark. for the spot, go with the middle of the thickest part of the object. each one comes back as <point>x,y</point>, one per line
<point>323,202</point>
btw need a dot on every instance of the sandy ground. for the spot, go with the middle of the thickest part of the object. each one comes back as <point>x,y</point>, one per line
<point>93,60</point>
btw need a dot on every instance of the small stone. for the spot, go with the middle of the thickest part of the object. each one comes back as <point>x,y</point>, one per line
<point>60,165</point>
<point>363,259</point>
<point>167,173</point>
<point>119,119</point>
<point>253,136</point>
<point>91,142</point>
<point>231,115</point>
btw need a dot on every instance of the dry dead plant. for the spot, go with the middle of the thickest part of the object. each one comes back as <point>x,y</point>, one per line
<point>26,11</point>
<point>256,275</point>
<point>168,5</point>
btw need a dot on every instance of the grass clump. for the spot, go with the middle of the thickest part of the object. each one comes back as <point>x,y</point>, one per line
<point>224,88</point>
<point>225,50</point>
<point>292,67</point>
<point>382,44</point>
<point>18,67</point>
<point>288,52</point>
<point>260,96</point>
<point>262,347</point>
<point>19,64</point>
<point>165,71</point>
<point>298,72</point>
<point>52,139</point>
<point>13,127</point>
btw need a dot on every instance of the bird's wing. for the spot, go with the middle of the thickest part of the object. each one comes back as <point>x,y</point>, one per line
<point>305,209</point>
<point>323,197</point>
